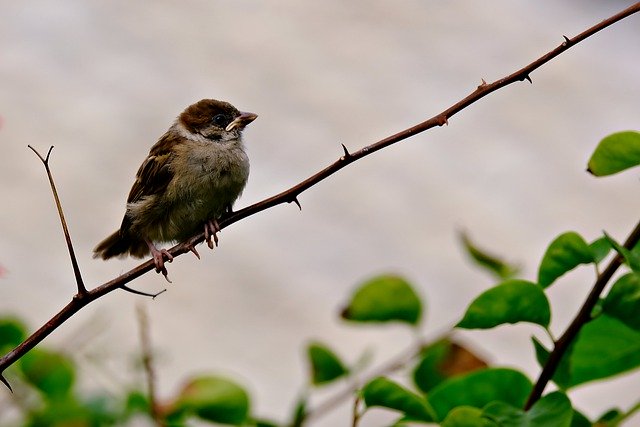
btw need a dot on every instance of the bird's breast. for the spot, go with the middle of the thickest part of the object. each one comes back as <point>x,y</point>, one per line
<point>214,173</point>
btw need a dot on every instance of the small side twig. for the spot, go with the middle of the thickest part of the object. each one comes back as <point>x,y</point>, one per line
<point>144,294</point>
<point>626,415</point>
<point>392,365</point>
<point>82,290</point>
<point>355,418</point>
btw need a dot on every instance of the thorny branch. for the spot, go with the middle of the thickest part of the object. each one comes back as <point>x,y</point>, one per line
<point>81,299</point>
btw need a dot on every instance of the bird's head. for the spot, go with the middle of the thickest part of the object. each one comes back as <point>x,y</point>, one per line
<point>215,120</point>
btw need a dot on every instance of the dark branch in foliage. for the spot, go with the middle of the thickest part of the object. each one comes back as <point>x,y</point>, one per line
<point>584,315</point>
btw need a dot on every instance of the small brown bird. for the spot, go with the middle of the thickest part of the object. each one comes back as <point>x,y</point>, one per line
<point>191,176</point>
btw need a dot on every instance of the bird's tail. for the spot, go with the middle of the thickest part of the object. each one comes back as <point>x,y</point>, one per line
<point>118,245</point>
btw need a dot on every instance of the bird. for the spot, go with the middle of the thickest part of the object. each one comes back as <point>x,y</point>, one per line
<point>191,177</point>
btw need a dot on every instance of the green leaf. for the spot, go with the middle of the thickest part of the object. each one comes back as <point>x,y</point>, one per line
<point>492,263</point>
<point>427,373</point>
<point>604,347</point>
<point>553,410</point>
<point>479,388</point>
<point>12,333</point>
<point>102,410</point>
<point>579,420</point>
<point>60,412</point>
<point>615,153</point>
<point>387,394</point>
<point>299,412</point>
<point>512,301</point>
<point>383,299</point>
<point>623,300</point>
<point>441,360</point>
<point>631,258</point>
<point>51,373</point>
<point>137,402</point>
<point>565,253</point>
<point>608,416</point>
<point>325,365</point>
<point>467,416</point>
<point>600,248</point>
<point>214,399</point>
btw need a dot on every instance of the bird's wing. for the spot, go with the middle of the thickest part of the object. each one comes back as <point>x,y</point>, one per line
<point>154,174</point>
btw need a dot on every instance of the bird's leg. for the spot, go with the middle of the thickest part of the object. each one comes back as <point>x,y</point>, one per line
<point>211,229</point>
<point>158,258</point>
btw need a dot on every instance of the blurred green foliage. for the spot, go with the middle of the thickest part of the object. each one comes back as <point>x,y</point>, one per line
<point>448,384</point>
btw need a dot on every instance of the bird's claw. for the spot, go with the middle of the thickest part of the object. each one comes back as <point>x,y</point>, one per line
<point>158,259</point>
<point>211,229</point>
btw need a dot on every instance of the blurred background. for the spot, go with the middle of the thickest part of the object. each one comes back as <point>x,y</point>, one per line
<point>103,80</point>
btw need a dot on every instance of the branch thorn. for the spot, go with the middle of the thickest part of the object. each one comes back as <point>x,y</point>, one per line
<point>483,84</point>
<point>195,251</point>
<point>566,40</point>
<point>347,154</point>
<point>443,120</point>
<point>5,382</point>
<point>528,79</point>
<point>295,200</point>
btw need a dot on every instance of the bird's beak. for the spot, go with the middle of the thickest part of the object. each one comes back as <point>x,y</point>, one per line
<point>241,121</point>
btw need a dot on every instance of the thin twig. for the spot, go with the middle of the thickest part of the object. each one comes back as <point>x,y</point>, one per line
<point>144,294</point>
<point>583,316</point>
<point>626,415</point>
<point>356,411</point>
<point>291,194</point>
<point>147,362</point>
<point>82,290</point>
<point>392,365</point>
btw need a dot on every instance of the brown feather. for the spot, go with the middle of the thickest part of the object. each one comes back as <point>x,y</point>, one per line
<point>155,173</point>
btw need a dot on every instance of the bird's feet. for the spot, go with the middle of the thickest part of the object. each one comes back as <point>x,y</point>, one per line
<point>211,229</point>
<point>158,259</point>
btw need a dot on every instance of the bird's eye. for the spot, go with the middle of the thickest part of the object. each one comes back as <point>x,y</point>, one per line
<point>220,120</point>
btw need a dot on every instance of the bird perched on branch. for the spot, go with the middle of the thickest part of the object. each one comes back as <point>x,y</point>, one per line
<point>192,175</point>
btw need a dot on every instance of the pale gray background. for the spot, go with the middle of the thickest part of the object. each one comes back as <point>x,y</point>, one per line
<point>102,80</point>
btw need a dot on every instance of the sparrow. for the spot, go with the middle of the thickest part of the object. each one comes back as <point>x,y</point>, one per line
<point>192,175</point>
